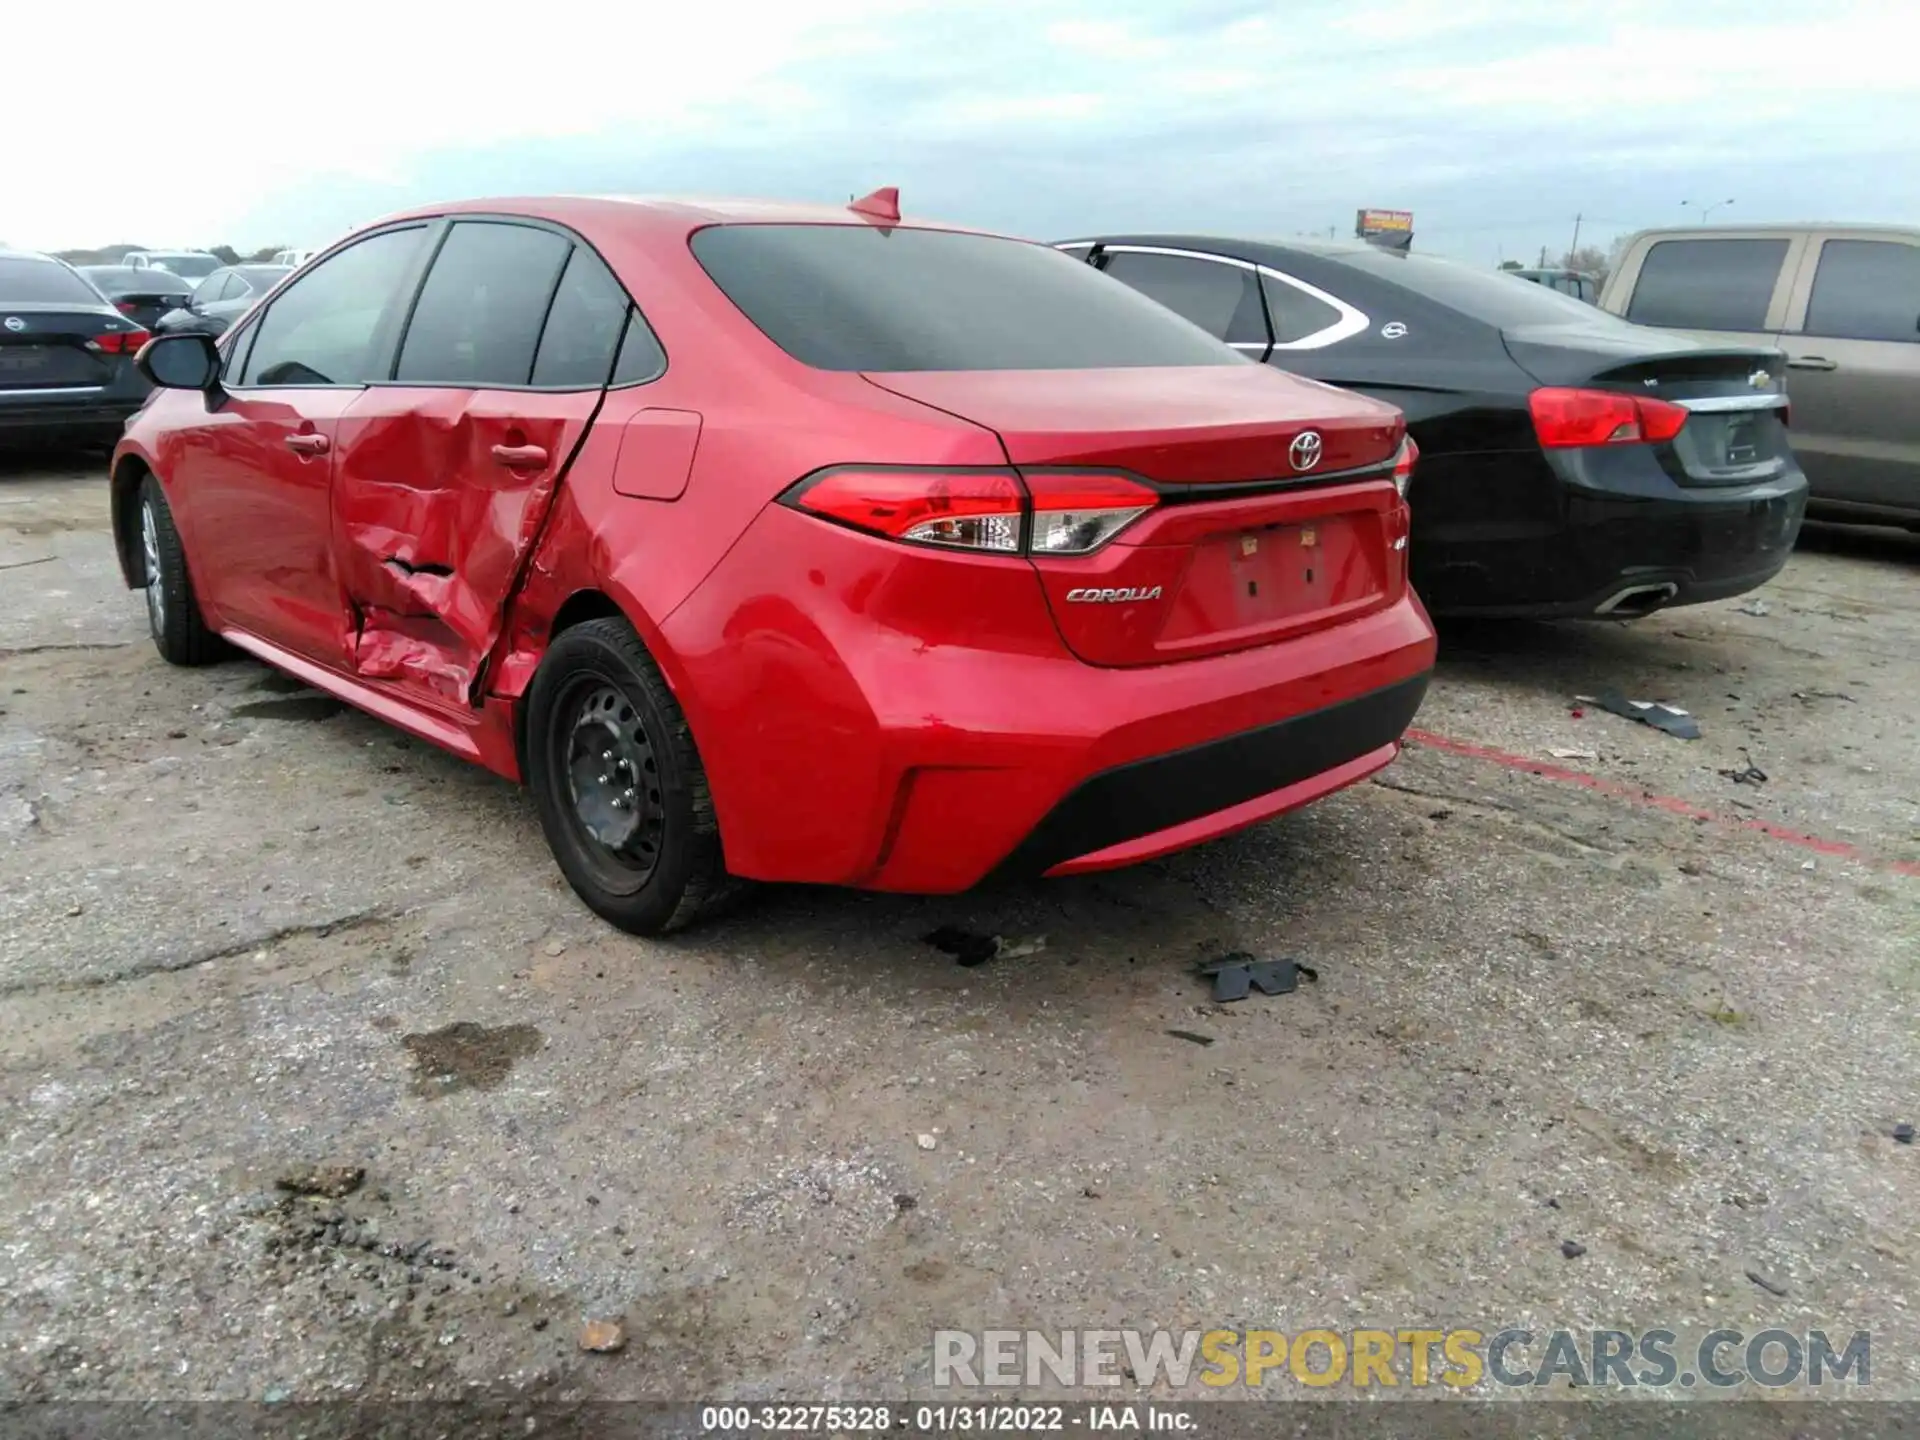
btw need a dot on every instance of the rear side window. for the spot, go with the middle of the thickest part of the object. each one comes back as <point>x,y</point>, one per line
<point>1707,284</point>
<point>1866,290</point>
<point>1296,314</point>
<point>583,325</point>
<point>334,326</point>
<point>479,315</point>
<point>42,282</point>
<point>1223,300</point>
<point>856,297</point>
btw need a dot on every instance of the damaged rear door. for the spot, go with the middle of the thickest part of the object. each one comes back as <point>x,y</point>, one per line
<point>445,473</point>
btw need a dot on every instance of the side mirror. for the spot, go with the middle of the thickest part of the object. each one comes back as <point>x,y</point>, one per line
<point>181,361</point>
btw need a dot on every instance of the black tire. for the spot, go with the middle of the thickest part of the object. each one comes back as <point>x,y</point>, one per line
<point>179,631</point>
<point>631,825</point>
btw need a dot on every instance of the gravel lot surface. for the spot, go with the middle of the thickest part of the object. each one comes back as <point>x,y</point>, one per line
<point>1629,1003</point>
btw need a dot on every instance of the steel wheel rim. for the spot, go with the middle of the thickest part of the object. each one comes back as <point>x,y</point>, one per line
<point>613,780</point>
<point>150,546</point>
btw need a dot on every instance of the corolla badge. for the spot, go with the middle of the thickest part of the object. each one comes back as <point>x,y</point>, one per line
<point>16,324</point>
<point>1111,597</point>
<point>1306,449</point>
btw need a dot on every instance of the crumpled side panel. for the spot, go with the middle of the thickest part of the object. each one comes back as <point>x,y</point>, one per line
<point>434,523</point>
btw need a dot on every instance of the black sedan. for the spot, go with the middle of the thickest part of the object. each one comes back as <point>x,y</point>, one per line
<point>1571,464</point>
<point>222,298</point>
<point>143,296</point>
<point>66,357</point>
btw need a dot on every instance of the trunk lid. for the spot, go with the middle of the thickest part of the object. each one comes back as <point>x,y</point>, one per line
<point>50,347</point>
<point>1178,425</point>
<point>1736,431</point>
<point>1245,547</point>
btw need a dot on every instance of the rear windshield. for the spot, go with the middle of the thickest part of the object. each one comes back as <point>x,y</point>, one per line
<point>855,297</point>
<point>42,282</point>
<point>1501,300</point>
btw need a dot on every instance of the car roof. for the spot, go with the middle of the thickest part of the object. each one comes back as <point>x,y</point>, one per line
<point>666,216</point>
<point>1793,227</point>
<point>6,254</point>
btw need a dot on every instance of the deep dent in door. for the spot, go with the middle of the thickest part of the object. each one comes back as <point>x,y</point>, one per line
<point>434,530</point>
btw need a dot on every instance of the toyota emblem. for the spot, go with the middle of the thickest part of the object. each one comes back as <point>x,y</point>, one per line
<point>14,322</point>
<point>1305,453</point>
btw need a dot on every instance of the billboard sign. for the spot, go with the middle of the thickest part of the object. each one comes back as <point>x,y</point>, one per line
<point>1392,229</point>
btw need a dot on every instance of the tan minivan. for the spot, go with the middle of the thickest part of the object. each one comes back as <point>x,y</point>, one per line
<point>1843,301</point>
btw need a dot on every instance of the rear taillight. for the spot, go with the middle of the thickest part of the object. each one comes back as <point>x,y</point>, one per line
<point>120,342</point>
<point>1403,464</point>
<point>126,307</point>
<point>1076,514</point>
<point>1567,419</point>
<point>992,512</point>
<point>961,509</point>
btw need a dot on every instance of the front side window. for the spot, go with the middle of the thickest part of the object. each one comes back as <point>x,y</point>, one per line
<point>1222,299</point>
<point>1707,284</point>
<point>1866,290</point>
<point>479,315</point>
<point>860,297</point>
<point>333,327</point>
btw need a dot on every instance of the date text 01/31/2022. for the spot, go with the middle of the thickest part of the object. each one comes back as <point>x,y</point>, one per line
<point>940,1419</point>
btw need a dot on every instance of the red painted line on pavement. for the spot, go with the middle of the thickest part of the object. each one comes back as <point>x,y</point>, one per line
<point>1639,795</point>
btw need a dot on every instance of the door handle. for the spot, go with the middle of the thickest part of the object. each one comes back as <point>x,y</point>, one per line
<point>308,444</point>
<point>521,457</point>
<point>1812,362</point>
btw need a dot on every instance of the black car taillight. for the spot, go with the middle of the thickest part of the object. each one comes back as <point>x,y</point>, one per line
<point>1568,419</point>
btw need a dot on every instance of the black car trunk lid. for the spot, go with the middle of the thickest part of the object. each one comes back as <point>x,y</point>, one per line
<point>49,348</point>
<point>1735,395</point>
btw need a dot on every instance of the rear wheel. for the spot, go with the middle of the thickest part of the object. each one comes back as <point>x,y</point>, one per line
<point>618,782</point>
<point>179,632</point>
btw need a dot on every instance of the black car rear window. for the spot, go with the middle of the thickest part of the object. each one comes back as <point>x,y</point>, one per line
<point>42,282</point>
<point>856,297</point>
<point>1501,300</point>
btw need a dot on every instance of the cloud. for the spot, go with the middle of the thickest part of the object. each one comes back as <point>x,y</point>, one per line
<point>1494,122</point>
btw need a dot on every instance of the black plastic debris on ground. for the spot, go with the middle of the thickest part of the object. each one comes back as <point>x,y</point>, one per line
<point>965,946</point>
<point>1237,975</point>
<point>1903,1133</point>
<point>1748,774</point>
<point>1673,721</point>
<point>971,949</point>
<point>1191,1036</point>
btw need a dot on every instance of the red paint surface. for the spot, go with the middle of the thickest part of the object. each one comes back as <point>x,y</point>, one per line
<point>1639,795</point>
<point>867,712</point>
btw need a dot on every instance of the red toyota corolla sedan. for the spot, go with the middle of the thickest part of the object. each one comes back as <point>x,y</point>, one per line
<point>786,543</point>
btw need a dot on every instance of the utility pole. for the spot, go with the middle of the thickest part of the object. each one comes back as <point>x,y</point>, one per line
<point>1576,238</point>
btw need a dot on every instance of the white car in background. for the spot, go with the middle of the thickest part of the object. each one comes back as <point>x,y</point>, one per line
<point>292,257</point>
<point>187,264</point>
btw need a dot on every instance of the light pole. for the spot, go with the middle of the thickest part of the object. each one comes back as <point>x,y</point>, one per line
<point>1705,210</point>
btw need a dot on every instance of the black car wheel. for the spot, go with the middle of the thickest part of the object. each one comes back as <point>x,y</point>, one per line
<point>618,782</point>
<point>179,632</point>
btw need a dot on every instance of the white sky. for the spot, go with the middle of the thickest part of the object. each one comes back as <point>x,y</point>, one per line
<point>1494,123</point>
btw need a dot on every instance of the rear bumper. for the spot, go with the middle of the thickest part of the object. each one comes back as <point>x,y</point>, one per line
<point>100,416</point>
<point>1167,802</point>
<point>876,717</point>
<point>1614,542</point>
